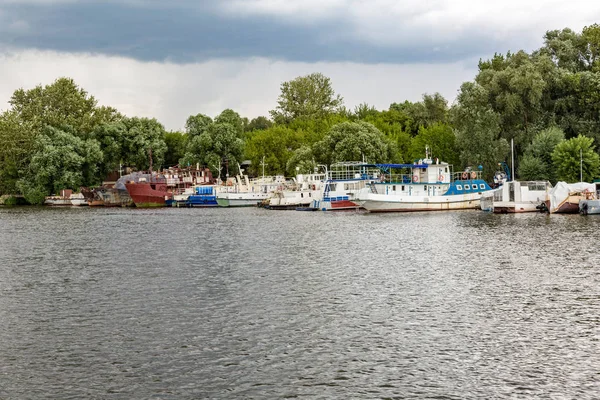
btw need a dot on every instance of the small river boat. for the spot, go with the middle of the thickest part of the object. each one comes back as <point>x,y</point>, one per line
<point>426,185</point>
<point>343,181</point>
<point>517,197</point>
<point>243,192</point>
<point>564,198</point>
<point>591,204</point>
<point>303,189</point>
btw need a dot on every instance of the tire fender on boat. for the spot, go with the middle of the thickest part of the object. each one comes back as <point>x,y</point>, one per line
<point>441,178</point>
<point>465,175</point>
<point>415,178</point>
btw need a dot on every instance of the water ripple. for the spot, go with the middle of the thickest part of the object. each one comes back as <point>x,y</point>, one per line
<point>249,303</point>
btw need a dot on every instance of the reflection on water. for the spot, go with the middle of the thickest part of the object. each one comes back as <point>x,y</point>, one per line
<point>249,303</point>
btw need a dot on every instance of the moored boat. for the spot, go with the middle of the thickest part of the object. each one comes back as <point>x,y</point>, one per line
<point>66,198</point>
<point>591,204</point>
<point>427,185</point>
<point>343,181</point>
<point>519,197</point>
<point>152,193</point>
<point>244,192</point>
<point>564,198</point>
<point>303,189</point>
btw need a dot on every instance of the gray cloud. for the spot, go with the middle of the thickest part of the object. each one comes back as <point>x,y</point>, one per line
<point>379,31</point>
<point>172,92</point>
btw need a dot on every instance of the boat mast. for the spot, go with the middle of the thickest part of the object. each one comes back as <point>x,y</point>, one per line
<point>512,157</point>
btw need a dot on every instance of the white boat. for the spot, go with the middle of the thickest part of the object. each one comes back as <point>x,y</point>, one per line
<point>516,197</point>
<point>66,198</point>
<point>77,199</point>
<point>344,181</point>
<point>427,185</point>
<point>244,192</point>
<point>300,193</point>
<point>564,198</point>
<point>591,204</point>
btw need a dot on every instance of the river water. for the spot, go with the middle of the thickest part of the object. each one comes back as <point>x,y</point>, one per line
<point>258,304</point>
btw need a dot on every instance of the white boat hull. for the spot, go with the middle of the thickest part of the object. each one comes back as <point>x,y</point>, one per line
<point>240,199</point>
<point>384,203</point>
<point>509,207</point>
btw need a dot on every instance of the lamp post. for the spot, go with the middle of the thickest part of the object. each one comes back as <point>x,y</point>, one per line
<point>580,165</point>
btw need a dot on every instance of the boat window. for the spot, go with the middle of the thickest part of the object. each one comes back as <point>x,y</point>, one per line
<point>309,194</point>
<point>481,186</point>
<point>394,188</point>
<point>403,188</point>
<point>446,169</point>
<point>459,187</point>
<point>467,187</point>
<point>301,194</point>
<point>425,187</point>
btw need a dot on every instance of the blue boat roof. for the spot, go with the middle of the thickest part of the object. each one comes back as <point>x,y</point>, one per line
<point>423,166</point>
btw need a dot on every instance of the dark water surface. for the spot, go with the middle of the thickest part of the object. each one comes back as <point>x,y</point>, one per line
<point>250,303</point>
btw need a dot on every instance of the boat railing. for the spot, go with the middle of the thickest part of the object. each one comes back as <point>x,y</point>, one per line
<point>354,172</point>
<point>466,175</point>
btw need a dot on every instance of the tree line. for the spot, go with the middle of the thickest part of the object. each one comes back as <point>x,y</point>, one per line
<point>547,102</point>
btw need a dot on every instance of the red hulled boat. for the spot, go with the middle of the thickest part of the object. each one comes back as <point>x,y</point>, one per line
<point>149,194</point>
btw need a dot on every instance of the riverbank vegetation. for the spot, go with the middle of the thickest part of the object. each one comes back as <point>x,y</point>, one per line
<point>548,102</point>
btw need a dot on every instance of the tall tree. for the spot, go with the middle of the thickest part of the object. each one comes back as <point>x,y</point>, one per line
<point>310,96</point>
<point>60,160</point>
<point>478,130</point>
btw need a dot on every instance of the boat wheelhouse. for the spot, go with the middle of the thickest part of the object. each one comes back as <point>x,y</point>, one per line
<point>517,197</point>
<point>426,185</point>
<point>343,181</point>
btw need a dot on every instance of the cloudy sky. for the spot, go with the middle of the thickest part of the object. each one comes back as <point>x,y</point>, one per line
<point>173,58</point>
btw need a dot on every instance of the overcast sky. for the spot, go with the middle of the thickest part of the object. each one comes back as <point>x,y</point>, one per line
<point>172,58</point>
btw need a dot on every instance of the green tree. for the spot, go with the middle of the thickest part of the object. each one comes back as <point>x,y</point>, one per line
<point>538,155</point>
<point>219,146</point>
<point>176,143</point>
<point>259,124</point>
<point>197,124</point>
<point>532,168</point>
<point>441,141</point>
<point>60,160</point>
<point>354,141</point>
<point>310,96</point>
<point>142,136</point>
<point>60,104</point>
<point>17,138</point>
<point>232,118</point>
<point>567,157</point>
<point>303,159</point>
<point>276,144</point>
<point>477,129</point>
<point>110,136</point>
